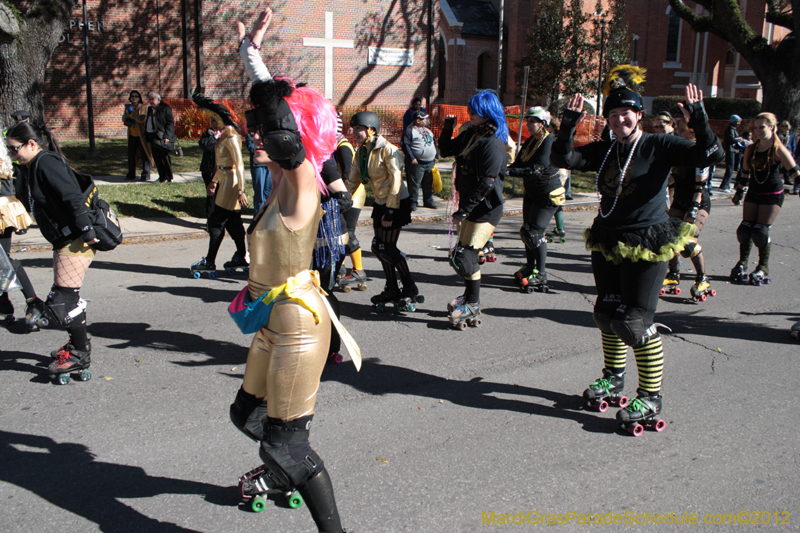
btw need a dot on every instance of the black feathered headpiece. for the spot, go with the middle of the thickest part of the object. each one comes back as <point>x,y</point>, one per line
<point>622,87</point>
<point>220,110</point>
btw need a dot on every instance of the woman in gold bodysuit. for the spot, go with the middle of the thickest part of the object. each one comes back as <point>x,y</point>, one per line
<point>295,133</point>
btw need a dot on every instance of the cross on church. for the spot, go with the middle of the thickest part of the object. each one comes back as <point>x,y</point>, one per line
<point>329,43</point>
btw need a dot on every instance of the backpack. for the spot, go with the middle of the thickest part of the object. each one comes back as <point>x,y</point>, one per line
<point>105,223</point>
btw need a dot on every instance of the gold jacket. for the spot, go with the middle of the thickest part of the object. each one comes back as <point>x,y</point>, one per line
<point>230,169</point>
<point>384,167</point>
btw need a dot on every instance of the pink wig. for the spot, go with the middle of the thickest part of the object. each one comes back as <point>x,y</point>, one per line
<point>316,122</point>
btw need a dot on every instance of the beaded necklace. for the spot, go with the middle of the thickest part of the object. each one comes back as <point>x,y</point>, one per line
<point>766,165</point>
<point>427,137</point>
<point>621,176</point>
<point>529,150</point>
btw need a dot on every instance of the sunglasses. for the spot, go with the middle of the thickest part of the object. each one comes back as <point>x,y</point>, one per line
<point>15,149</point>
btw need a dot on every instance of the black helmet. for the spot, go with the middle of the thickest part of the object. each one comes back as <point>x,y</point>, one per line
<point>622,97</point>
<point>368,119</point>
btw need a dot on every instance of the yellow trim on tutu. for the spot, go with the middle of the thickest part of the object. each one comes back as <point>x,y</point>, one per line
<point>638,253</point>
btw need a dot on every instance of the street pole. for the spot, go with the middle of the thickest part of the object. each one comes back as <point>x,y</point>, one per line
<point>525,72</point>
<point>500,53</point>
<point>602,24</point>
<point>92,152</point>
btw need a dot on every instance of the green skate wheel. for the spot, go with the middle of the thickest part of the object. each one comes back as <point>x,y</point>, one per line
<point>295,500</point>
<point>258,504</point>
<point>420,299</point>
<point>411,308</point>
<point>85,375</point>
<point>380,307</point>
<point>63,379</point>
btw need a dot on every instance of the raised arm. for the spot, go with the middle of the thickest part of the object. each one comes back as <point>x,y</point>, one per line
<point>250,47</point>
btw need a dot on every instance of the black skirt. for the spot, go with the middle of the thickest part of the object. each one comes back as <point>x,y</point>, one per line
<point>402,215</point>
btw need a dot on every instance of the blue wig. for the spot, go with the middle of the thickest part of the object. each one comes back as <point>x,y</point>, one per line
<point>486,104</point>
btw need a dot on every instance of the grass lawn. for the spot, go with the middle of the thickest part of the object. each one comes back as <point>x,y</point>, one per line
<point>160,200</point>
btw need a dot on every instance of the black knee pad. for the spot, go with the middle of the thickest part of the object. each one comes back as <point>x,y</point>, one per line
<point>760,235</point>
<point>353,245</point>
<point>533,237</point>
<point>464,260</point>
<point>287,454</point>
<point>634,326</point>
<point>603,322</point>
<point>692,249</point>
<point>64,305</point>
<point>744,232</point>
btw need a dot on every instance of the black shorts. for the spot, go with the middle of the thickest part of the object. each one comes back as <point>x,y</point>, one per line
<point>765,198</point>
<point>402,215</point>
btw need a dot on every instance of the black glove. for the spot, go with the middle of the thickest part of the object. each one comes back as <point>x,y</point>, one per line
<point>486,186</point>
<point>389,215</point>
<point>460,215</point>
<point>345,200</point>
<point>737,198</point>
<point>516,172</point>
<point>450,123</point>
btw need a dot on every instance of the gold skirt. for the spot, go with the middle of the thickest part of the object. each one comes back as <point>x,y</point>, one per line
<point>13,214</point>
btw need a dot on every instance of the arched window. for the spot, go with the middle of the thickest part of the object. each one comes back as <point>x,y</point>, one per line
<point>487,71</point>
<point>673,36</point>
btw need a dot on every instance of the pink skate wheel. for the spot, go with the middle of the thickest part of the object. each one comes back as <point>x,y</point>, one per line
<point>602,406</point>
<point>660,425</point>
<point>623,401</point>
<point>637,430</point>
<point>702,297</point>
<point>677,290</point>
<point>662,292</point>
<point>713,292</point>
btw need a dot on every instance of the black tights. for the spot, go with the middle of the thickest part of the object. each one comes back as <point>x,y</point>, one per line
<point>221,220</point>
<point>390,236</point>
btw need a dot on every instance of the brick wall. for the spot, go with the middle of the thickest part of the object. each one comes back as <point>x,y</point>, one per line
<point>139,46</point>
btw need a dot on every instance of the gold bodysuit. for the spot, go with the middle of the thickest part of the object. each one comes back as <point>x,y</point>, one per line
<point>230,169</point>
<point>287,356</point>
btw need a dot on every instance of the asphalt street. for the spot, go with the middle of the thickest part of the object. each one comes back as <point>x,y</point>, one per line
<point>442,430</point>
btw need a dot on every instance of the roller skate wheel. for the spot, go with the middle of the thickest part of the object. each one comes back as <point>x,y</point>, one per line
<point>362,286</point>
<point>212,275</point>
<point>411,308</point>
<point>295,500</point>
<point>702,297</point>
<point>492,259</point>
<point>528,289</point>
<point>712,292</point>
<point>246,270</point>
<point>476,323</point>
<point>481,260</point>
<point>196,275</point>
<point>662,292</point>
<point>550,240</point>
<point>381,307</point>
<point>258,504</point>
<point>637,430</point>
<point>43,323</point>
<point>622,401</point>
<point>85,375</point>
<point>9,320</point>
<point>461,326</point>
<point>231,271</point>
<point>544,288</point>
<point>63,379</point>
<point>796,334</point>
<point>767,281</point>
<point>602,406</point>
<point>563,240</point>
<point>420,299</point>
<point>337,358</point>
<point>677,290</point>
<point>346,288</point>
<point>659,426</point>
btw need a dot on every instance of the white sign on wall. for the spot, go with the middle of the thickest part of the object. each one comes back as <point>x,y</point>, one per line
<point>396,57</point>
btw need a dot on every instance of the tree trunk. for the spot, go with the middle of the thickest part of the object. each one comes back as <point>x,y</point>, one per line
<point>27,40</point>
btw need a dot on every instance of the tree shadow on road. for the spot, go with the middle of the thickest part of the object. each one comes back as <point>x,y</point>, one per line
<point>68,476</point>
<point>379,379</point>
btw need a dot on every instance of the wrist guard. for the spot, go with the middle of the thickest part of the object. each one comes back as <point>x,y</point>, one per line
<point>460,215</point>
<point>692,212</point>
<point>568,123</point>
<point>345,200</point>
<point>737,198</point>
<point>389,215</point>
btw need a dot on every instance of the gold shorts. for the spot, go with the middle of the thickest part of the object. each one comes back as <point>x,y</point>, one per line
<point>77,248</point>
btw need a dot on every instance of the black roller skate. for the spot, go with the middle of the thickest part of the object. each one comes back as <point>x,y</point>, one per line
<point>641,413</point>
<point>759,277</point>
<point>606,391</point>
<point>69,360</point>
<point>255,485</point>
<point>34,315</point>
<point>796,331</point>
<point>557,235</point>
<point>341,272</point>
<point>201,266</point>
<point>385,297</point>
<point>524,272</point>
<point>701,289</point>
<point>537,281</point>
<point>739,274</point>
<point>486,254</point>
<point>6,310</point>
<point>354,278</point>
<point>466,314</point>
<point>236,263</point>
<point>670,284</point>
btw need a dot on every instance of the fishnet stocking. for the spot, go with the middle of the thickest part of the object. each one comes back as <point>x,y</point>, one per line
<point>68,271</point>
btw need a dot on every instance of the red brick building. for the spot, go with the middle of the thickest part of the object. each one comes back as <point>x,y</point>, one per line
<point>379,53</point>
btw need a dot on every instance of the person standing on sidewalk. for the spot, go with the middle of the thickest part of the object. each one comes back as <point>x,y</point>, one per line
<point>160,133</point>
<point>422,152</point>
<point>134,117</point>
<point>733,155</point>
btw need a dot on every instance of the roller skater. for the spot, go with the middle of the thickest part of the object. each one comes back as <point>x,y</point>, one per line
<point>761,186</point>
<point>237,263</point>
<point>557,235</point>
<point>481,161</point>
<point>294,130</point>
<point>670,284</point>
<point>227,186</point>
<point>69,360</point>
<point>701,289</point>
<point>544,195</point>
<point>632,237</point>
<point>203,267</point>
<point>344,156</point>
<point>378,163</point>
<point>606,391</point>
<point>52,190</point>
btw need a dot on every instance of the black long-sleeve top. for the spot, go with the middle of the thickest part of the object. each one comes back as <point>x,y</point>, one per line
<point>51,192</point>
<point>541,187</point>
<point>641,201</point>
<point>486,161</point>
